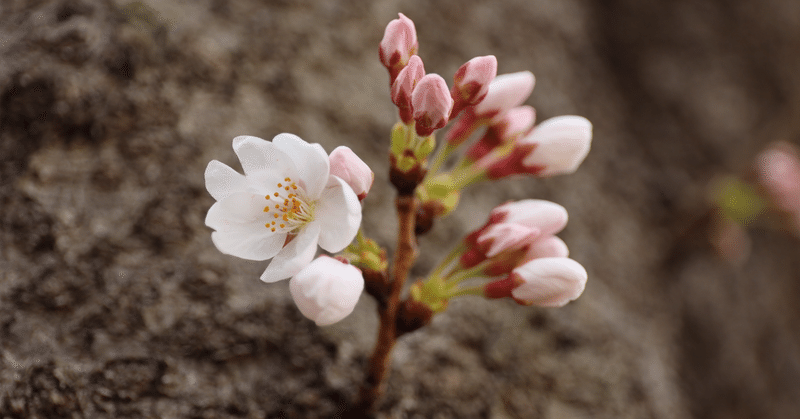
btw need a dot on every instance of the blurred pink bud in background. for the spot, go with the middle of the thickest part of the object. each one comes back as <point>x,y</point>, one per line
<point>779,172</point>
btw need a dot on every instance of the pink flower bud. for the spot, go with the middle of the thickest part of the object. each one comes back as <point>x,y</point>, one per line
<point>471,82</point>
<point>399,43</point>
<point>548,282</point>
<point>350,168</point>
<point>513,234</point>
<point>404,85</point>
<point>326,290</point>
<point>561,144</point>
<point>508,127</point>
<point>505,92</point>
<point>547,247</point>
<point>506,236</point>
<point>548,217</point>
<point>432,104</point>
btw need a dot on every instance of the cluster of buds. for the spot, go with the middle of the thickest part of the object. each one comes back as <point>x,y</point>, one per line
<point>514,254</point>
<point>479,101</point>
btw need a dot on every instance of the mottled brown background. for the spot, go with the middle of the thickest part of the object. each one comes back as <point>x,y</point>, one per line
<point>115,304</point>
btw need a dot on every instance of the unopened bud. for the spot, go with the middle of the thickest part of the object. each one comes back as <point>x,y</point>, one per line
<point>351,169</point>
<point>399,43</point>
<point>549,282</point>
<point>471,82</point>
<point>505,92</point>
<point>326,290</point>
<point>432,104</point>
<point>403,87</point>
<point>561,144</point>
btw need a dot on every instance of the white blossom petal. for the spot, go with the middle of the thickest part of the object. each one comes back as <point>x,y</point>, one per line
<point>549,282</point>
<point>248,246</point>
<point>222,181</point>
<point>294,256</point>
<point>311,162</point>
<point>257,155</point>
<point>239,208</point>
<point>239,223</point>
<point>326,290</point>
<point>339,214</point>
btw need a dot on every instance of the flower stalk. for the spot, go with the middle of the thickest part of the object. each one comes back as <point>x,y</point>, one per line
<point>406,254</point>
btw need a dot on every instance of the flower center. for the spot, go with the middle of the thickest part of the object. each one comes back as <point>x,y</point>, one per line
<point>288,210</point>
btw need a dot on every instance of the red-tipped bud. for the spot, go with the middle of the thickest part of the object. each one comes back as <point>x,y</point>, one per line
<point>403,87</point>
<point>548,217</point>
<point>556,146</point>
<point>351,169</point>
<point>505,92</point>
<point>432,104</point>
<point>471,82</point>
<point>561,144</point>
<point>399,43</point>
<point>548,282</point>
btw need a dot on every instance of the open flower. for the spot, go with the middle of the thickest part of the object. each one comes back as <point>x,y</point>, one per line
<point>285,204</point>
<point>327,290</point>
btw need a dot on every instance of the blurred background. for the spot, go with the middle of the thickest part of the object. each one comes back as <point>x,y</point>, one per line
<point>114,302</point>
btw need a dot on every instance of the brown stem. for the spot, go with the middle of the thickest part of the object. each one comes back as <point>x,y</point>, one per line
<point>379,363</point>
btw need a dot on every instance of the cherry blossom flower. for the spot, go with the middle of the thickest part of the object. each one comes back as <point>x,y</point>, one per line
<point>326,290</point>
<point>285,204</point>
